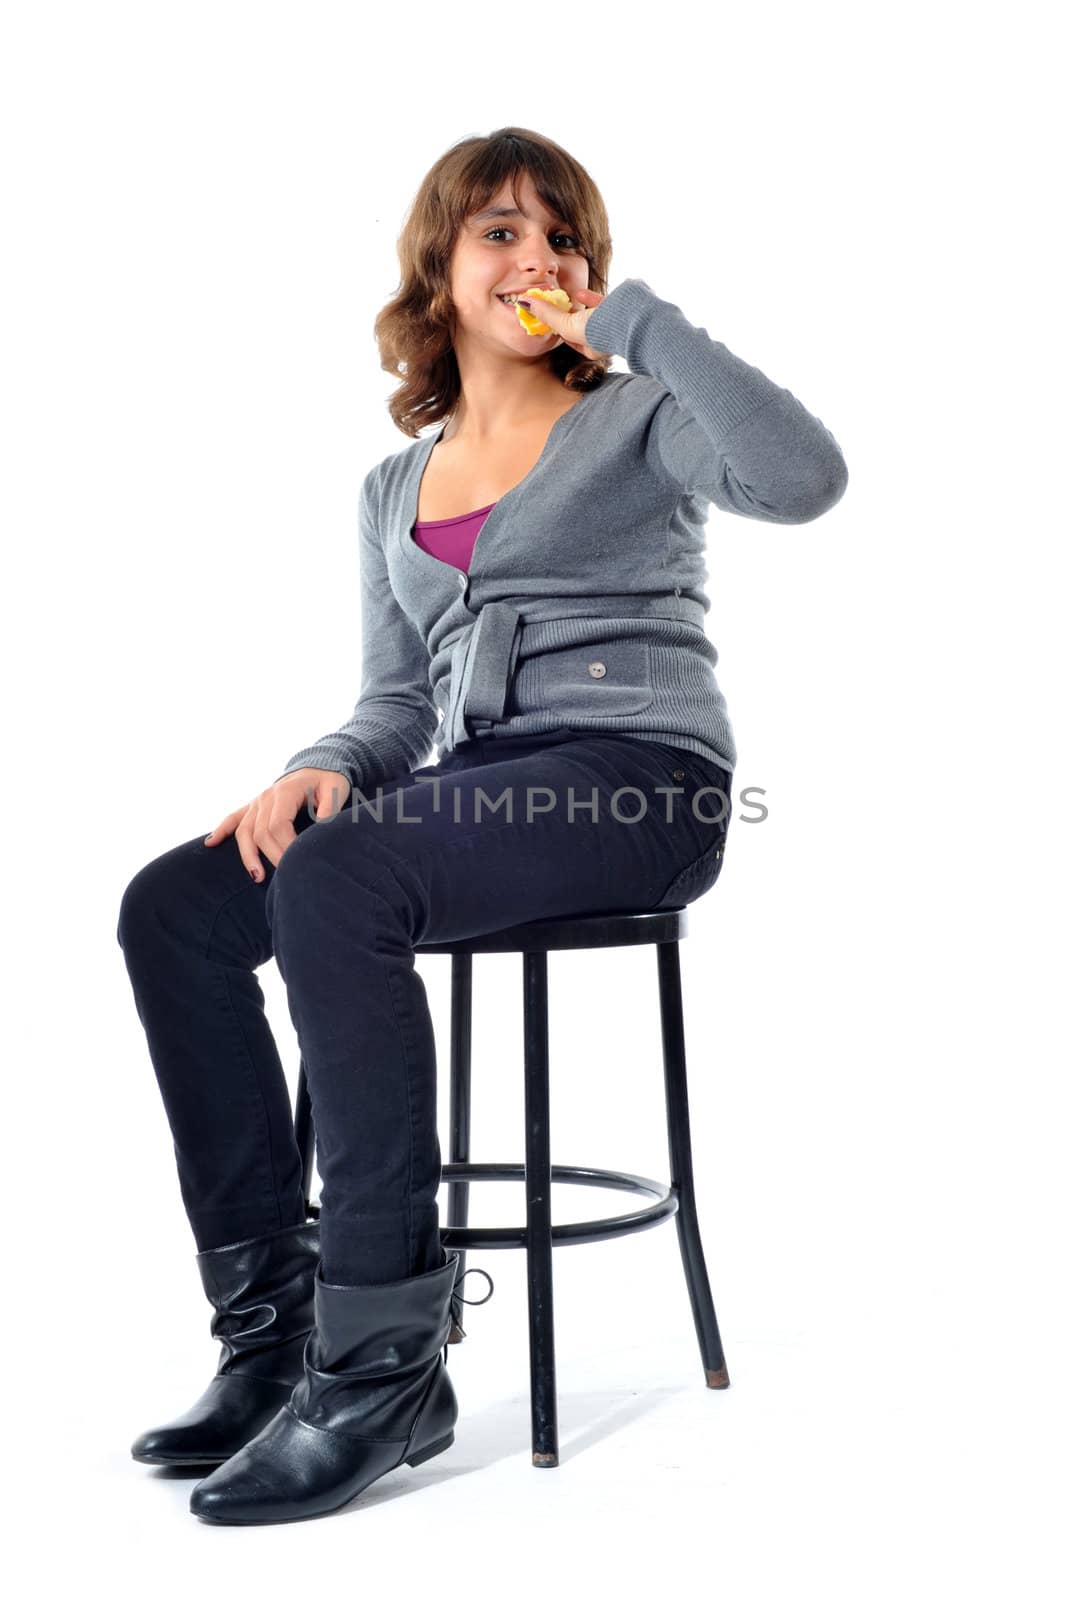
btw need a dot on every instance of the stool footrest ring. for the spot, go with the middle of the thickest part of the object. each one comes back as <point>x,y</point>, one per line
<point>514,1238</point>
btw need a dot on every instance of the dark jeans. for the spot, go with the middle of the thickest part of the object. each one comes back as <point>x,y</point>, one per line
<point>342,912</point>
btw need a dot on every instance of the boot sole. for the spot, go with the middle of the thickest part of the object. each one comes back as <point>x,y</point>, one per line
<point>180,1461</point>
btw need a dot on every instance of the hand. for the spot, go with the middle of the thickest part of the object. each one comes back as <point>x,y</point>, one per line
<point>266,823</point>
<point>569,325</point>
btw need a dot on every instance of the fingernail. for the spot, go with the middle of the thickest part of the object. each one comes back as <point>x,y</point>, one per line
<point>524,303</point>
<point>253,875</point>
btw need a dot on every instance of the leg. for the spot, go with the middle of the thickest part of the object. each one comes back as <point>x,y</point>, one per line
<point>542,1332</point>
<point>681,1156</point>
<point>192,927</point>
<point>459,1143</point>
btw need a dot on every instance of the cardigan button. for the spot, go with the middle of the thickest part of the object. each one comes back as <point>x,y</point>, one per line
<point>678,773</point>
<point>597,669</point>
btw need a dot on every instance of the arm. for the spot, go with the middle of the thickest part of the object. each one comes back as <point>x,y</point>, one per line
<point>391,730</point>
<point>723,428</point>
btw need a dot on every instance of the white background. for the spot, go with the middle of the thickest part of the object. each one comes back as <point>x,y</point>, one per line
<point>201,203</point>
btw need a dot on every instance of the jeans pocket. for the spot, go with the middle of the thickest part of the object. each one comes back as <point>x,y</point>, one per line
<point>697,775</point>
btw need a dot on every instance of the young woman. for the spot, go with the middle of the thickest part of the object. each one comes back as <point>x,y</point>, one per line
<point>532,609</point>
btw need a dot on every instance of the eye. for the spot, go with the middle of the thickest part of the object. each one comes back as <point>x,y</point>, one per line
<point>501,229</point>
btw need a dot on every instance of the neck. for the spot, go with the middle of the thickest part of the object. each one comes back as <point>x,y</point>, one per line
<point>494,404</point>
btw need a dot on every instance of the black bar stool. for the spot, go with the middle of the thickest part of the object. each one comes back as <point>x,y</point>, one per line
<point>533,940</point>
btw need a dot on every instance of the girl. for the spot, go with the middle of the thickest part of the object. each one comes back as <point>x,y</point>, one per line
<point>532,612</point>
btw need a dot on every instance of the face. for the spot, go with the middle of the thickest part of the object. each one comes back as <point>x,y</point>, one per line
<point>495,254</point>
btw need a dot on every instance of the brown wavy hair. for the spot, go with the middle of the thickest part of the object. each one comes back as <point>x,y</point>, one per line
<point>414,328</point>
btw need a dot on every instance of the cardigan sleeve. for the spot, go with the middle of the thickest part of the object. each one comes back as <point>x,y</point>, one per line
<point>723,428</point>
<point>391,731</point>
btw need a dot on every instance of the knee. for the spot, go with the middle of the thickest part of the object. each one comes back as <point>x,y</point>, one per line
<point>137,906</point>
<point>148,892</point>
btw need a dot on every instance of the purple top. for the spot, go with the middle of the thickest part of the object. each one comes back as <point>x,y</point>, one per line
<point>452,538</point>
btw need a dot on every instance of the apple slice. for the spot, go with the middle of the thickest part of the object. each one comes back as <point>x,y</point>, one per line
<point>558,297</point>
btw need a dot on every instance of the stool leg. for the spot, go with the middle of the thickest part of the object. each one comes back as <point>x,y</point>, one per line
<point>681,1158</point>
<point>304,1129</point>
<point>459,1138</point>
<point>545,1445</point>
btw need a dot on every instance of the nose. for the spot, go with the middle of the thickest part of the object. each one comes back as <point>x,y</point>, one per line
<point>542,265</point>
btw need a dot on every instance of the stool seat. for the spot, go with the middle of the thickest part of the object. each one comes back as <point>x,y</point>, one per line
<point>585,932</point>
<point>538,1237</point>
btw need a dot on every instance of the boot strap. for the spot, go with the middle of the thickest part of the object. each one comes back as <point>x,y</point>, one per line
<point>456,1331</point>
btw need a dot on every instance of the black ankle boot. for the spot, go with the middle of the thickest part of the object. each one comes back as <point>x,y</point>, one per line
<point>264,1311</point>
<point>375,1394</point>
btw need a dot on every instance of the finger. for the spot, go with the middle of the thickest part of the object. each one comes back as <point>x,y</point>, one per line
<point>246,845</point>
<point>225,827</point>
<point>280,830</point>
<point>543,310</point>
<point>282,834</point>
<point>272,851</point>
<point>275,832</point>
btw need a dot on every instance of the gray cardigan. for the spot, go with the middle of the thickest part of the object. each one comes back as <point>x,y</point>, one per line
<point>584,605</point>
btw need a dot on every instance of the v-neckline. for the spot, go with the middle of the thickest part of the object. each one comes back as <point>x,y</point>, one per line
<point>415,550</point>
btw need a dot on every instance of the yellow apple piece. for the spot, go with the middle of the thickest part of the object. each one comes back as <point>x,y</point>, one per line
<point>532,324</point>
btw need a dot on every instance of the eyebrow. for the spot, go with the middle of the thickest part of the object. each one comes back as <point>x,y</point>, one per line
<point>502,211</point>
